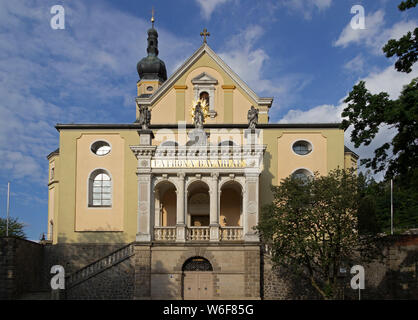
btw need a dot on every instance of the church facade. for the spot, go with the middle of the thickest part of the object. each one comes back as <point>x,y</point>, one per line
<point>179,191</point>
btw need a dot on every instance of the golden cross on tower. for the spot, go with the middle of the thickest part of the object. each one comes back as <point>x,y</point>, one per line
<point>152,18</point>
<point>205,34</point>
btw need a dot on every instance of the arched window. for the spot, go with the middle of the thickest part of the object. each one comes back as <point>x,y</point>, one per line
<point>100,189</point>
<point>197,264</point>
<point>302,174</point>
<point>204,96</point>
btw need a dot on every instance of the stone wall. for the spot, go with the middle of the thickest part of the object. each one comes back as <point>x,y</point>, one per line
<point>240,271</point>
<point>396,277</point>
<point>73,257</point>
<point>115,283</point>
<point>236,269</point>
<point>142,260</point>
<point>391,276</point>
<point>21,263</point>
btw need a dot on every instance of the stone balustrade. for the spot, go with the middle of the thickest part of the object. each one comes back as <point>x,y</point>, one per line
<point>165,233</point>
<point>198,233</point>
<point>230,233</point>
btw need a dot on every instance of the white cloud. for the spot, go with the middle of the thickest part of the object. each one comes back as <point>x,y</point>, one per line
<point>249,62</point>
<point>355,65</point>
<point>375,36</point>
<point>374,23</point>
<point>208,6</point>
<point>44,73</point>
<point>388,80</point>
<point>306,7</point>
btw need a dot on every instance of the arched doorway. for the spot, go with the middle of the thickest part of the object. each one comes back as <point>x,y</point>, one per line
<point>197,279</point>
<point>198,202</point>
<point>231,204</point>
<point>165,204</point>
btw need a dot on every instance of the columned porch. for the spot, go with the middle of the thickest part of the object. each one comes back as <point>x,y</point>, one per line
<point>198,193</point>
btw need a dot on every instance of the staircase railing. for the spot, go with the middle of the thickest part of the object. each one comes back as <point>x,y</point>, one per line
<point>100,265</point>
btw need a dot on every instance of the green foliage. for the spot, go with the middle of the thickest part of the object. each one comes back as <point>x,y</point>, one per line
<point>406,48</point>
<point>367,113</point>
<point>405,204</point>
<point>312,226</point>
<point>408,4</point>
<point>367,210</point>
<point>15,228</point>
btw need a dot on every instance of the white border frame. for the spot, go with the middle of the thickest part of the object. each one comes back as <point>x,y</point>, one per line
<point>302,168</point>
<point>101,155</point>
<point>302,155</point>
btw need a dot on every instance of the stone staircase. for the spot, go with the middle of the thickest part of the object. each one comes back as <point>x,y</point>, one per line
<point>99,266</point>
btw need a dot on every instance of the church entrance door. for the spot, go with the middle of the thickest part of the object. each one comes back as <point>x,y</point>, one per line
<point>198,285</point>
<point>197,279</point>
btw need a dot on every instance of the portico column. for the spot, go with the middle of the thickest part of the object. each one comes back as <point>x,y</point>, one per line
<point>157,208</point>
<point>180,214</point>
<point>214,215</point>
<point>251,196</point>
<point>144,208</point>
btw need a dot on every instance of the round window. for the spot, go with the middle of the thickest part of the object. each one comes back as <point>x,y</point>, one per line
<point>150,88</point>
<point>100,148</point>
<point>302,174</point>
<point>302,147</point>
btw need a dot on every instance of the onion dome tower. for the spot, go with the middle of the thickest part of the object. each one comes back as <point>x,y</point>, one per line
<point>151,70</point>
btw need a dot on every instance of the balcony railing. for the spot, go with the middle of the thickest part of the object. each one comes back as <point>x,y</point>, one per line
<point>165,233</point>
<point>230,233</point>
<point>198,233</point>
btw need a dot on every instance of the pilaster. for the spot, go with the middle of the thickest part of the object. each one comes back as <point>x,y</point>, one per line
<point>214,215</point>
<point>181,222</point>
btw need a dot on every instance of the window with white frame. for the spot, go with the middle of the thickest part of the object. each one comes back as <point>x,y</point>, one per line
<point>303,175</point>
<point>302,147</point>
<point>100,189</point>
<point>100,148</point>
<point>204,87</point>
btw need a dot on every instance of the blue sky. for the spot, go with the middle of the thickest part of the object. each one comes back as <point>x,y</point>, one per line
<point>302,52</point>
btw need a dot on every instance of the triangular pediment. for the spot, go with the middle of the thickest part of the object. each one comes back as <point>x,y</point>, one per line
<point>204,78</point>
<point>204,49</point>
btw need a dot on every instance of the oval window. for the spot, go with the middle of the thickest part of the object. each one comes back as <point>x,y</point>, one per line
<point>150,88</point>
<point>302,147</point>
<point>100,148</point>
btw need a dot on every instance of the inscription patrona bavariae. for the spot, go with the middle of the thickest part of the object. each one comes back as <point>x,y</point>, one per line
<point>198,163</point>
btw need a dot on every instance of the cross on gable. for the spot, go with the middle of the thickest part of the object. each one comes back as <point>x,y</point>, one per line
<point>205,34</point>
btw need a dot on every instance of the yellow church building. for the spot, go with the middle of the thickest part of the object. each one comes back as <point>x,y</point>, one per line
<point>173,197</point>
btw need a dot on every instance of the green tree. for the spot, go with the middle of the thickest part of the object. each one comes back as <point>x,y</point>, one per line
<point>16,228</point>
<point>367,207</point>
<point>406,48</point>
<point>367,113</point>
<point>312,226</point>
<point>405,204</point>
